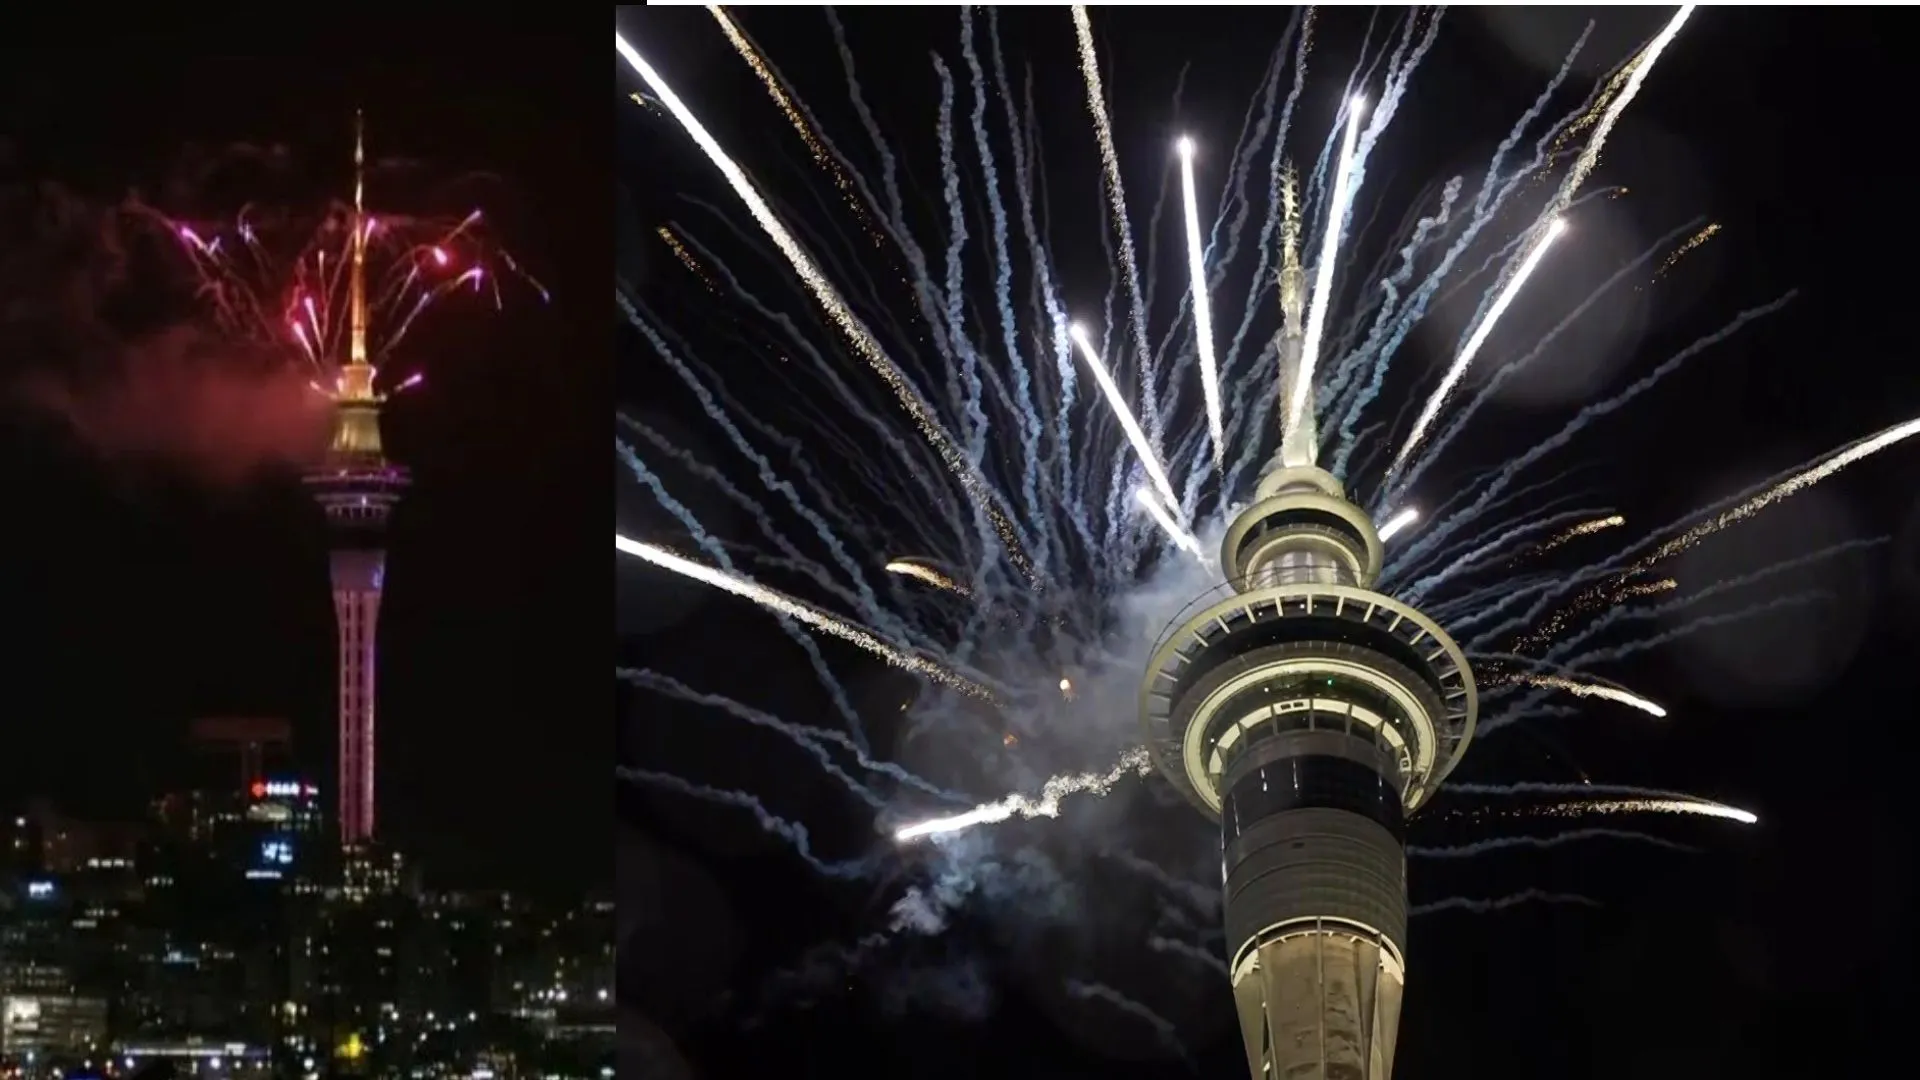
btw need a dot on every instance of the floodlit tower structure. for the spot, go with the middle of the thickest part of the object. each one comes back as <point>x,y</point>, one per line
<point>357,487</point>
<point>1310,715</point>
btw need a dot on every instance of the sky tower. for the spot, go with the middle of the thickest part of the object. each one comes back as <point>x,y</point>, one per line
<point>357,487</point>
<point>1311,716</point>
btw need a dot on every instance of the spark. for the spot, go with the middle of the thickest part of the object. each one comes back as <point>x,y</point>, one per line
<point>1202,310</point>
<point>1135,762</point>
<point>1590,690</point>
<point>1066,688</point>
<point>1128,424</point>
<point>1797,482</point>
<point>815,145</point>
<point>830,301</point>
<point>1117,202</point>
<point>1297,435</point>
<point>799,612</point>
<point>686,258</point>
<point>1642,66</point>
<point>926,574</point>
<point>283,278</point>
<point>1472,348</point>
<point>1182,539</point>
<point>1680,252</point>
<point>1397,523</point>
<point>1585,528</point>
<point>1680,805</point>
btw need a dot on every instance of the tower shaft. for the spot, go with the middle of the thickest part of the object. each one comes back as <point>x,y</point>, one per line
<point>357,579</point>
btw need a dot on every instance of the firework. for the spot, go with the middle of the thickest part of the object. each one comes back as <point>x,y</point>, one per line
<point>1067,519</point>
<point>284,279</point>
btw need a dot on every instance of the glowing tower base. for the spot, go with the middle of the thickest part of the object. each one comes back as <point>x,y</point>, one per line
<point>357,488</point>
<point>1311,715</point>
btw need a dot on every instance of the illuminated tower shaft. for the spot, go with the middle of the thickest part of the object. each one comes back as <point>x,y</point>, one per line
<point>1311,715</point>
<point>357,488</point>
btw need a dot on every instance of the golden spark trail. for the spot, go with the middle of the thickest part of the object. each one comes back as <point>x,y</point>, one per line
<point>1642,66</point>
<point>1610,594</point>
<point>1792,484</point>
<point>1585,528</point>
<point>815,147</point>
<point>926,575</point>
<point>1117,202</point>
<point>686,258</point>
<point>799,612</point>
<point>830,301</point>
<point>1680,252</point>
<point>1134,762</point>
<point>1202,309</point>
<point>1298,446</point>
<point>1591,690</point>
<point>1701,807</point>
<point>1472,348</point>
<point>1647,588</point>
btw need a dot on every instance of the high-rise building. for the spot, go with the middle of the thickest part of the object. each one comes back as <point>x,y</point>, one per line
<point>357,487</point>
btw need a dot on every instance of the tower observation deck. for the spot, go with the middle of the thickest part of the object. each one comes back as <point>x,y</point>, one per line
<point>357,488</point>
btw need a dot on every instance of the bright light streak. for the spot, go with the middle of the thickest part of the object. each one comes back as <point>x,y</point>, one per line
<point>1642,67</point>
<point>1128,424</point>
<point>830,301</point>
<point>1135,762</point>
<point>1701,807</point>
<point>925,574</point>
<point>1302,390</point>
<point>1593,690</point>
<point>1202,309</point>
<point>799,612</point>
<point>1398,523</point>
<point>1804,479</point>
<point>1182,539</point>
<point>1479,338</point>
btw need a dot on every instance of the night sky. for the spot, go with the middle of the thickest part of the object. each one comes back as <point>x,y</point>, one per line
<point>1771,949</point>
<point>156,572</point>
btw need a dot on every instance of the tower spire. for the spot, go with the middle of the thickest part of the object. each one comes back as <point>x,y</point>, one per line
<point>1293,303</point>
<point>356,375</point>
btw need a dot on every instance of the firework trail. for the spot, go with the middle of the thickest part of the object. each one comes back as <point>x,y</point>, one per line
<point>799,612</point>
<point>1472,348</point>
<point>1075,526</point>
<point>919,571</point>
<point>1122,227</point>
<point>829,299</point>
<point>1132,763</point>
<point>1202,311</point>
<point>1705,234</point>
<point>283,279</point>
<point>1591,690</point>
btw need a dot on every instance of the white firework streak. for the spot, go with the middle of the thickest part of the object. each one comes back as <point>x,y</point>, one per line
<point>1135,762</point>
<point>1591,690</point>
<point>1202,310</point>
<point>799,612</point>
<point>829,299</point>
<point>1298,439</point>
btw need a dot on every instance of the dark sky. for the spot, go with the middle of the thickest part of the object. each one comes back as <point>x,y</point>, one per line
<point>146,592</point>
<point>1772,949</point>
